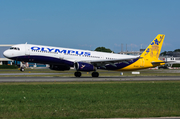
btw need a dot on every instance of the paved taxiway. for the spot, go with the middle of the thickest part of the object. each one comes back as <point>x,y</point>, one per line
<point>88,79</point>
<point>21,74</point>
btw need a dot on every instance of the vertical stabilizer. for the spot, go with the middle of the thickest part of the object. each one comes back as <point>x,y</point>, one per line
<point>152,52</point>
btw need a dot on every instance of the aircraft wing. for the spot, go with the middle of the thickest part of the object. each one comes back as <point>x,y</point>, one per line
<point>103,62</point>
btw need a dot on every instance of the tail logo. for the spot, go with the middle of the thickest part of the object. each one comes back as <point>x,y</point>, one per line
<point>154,49</point>
<point>156,41</point>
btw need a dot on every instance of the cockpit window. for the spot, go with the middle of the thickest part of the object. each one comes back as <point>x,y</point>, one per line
<point>14,48</point>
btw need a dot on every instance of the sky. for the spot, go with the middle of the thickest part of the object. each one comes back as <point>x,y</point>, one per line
<point>88,24</point>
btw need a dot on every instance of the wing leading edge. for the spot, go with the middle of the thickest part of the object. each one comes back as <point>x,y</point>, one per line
<point>104,62</point>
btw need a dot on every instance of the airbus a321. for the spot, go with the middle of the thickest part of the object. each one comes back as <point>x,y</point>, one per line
<point>83,60</point>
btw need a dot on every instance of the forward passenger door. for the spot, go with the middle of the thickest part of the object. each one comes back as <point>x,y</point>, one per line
<point>27,49</point>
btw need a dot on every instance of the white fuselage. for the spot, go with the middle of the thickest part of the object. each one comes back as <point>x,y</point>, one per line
<point>71,55</point>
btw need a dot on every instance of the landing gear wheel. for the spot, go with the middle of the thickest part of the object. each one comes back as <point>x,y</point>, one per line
<point>77,74</point>
<point>95,74</point>
<point>22,69</point>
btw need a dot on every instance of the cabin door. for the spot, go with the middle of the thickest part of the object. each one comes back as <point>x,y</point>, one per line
<point>27,49</point>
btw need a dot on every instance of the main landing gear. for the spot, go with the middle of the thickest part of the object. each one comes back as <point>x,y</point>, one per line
<point>95,74</point>
<point>78,74</point>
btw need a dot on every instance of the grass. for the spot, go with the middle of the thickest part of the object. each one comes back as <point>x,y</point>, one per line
<point>90,100</point>
<point>8,67</point>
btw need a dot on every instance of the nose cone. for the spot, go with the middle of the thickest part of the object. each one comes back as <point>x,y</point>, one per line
<point>6,54</point>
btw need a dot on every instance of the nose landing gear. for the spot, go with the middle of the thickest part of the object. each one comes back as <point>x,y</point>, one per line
<point>22,69</point>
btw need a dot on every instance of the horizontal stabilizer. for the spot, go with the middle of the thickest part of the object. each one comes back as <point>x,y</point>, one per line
<point>153,63</point>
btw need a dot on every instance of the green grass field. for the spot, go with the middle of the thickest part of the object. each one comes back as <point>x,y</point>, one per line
<point>90,100</point>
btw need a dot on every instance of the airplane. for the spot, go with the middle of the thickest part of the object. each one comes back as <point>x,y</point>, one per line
<point>61,59</point>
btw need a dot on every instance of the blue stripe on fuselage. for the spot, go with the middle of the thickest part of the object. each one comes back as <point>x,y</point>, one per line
<point>43,60</point>
<point>52,60</point>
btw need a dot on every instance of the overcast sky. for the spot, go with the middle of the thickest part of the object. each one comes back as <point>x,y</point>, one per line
<point>87,24</point>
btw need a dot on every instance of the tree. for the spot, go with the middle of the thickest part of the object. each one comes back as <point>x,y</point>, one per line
<point>177,50</point>
<point>103,49</point>
<point>163,53</point>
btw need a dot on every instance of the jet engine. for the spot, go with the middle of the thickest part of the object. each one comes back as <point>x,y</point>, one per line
<point>81,66</point>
